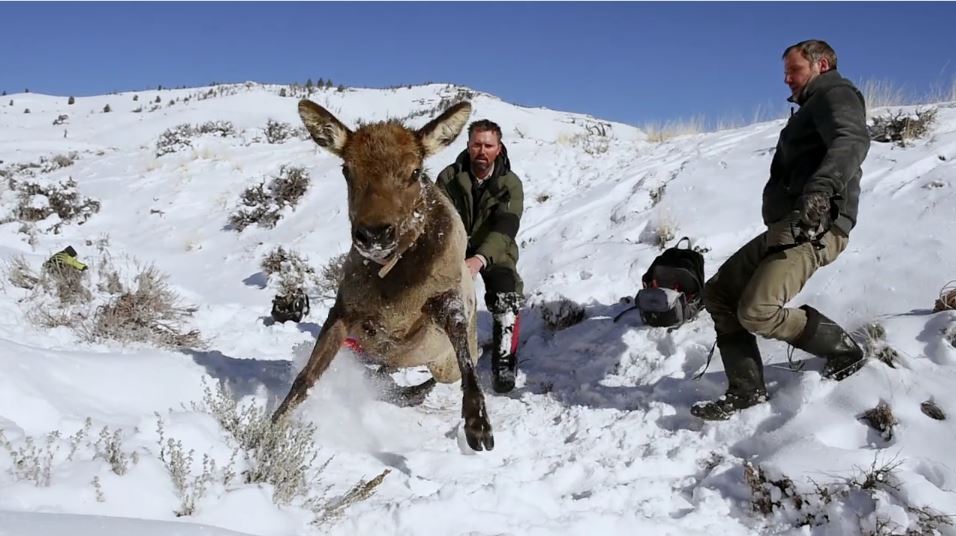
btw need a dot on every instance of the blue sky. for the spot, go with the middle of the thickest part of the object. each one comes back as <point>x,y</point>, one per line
<point>630,62</point>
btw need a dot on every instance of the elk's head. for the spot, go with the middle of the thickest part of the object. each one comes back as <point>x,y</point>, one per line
<point>383,168</point>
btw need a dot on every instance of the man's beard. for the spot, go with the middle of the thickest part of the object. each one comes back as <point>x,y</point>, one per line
<point>481,166</point>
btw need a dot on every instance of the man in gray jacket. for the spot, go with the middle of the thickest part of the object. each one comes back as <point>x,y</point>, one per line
<point>809,206</point>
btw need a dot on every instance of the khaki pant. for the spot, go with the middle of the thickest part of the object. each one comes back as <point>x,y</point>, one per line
<point>750,290</point>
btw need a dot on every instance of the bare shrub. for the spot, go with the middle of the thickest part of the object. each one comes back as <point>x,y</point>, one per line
<point>45,308</point>
<point>767,494</point>
<point>42,166</point>
<point>174,139</point>
<point>33,462</point>
<point>68,284</point>
<point>273,262</point>
<point>929,522</point>
<point>590,143</point>
<point>661,132</point>
<point>331,277</point>
<point>262,204</point>
<point>20,274</point>
<point>222,129</point>
<point>880,418</point>
<point>947,298</point>
<point>191,488</point>
<point>78,438</point>
<point>36,202</point>
<point>881,93</point>
<point>291,269</point>
<point>149,313</point>
<point>65,284</point>
<point>257,209</point>
<point>280,453</point>
<point>813,506</point>
<point>109,447</point>
<point>290,185</point>
<point>98,304</point>
<point>98,489</point>
<point>901,127</point>
<point>278,131</point>
<point>64,160</point>
<point>60,119</point>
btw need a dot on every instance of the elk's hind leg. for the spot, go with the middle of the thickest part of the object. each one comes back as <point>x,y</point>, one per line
<point>401,396</point>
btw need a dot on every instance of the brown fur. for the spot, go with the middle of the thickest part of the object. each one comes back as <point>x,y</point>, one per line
<point>422,312</point>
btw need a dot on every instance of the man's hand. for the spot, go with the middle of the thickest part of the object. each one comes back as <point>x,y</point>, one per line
<point>814,208</point>
<point>474,265</point>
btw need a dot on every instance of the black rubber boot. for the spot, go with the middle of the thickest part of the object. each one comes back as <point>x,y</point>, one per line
<point>825,338</point>
<point>744,370</point>
<point>505,331</point>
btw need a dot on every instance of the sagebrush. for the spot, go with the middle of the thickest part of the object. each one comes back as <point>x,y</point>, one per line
<point>36,202</point>
<point>124,303</point>
<point>263,203</point>
<point>901,127</point>
<point>292,272</point>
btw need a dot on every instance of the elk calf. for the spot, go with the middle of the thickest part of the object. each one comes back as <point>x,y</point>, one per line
<point>406,296</point>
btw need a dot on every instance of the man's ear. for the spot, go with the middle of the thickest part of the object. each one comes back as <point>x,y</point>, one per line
<point>824,65</point>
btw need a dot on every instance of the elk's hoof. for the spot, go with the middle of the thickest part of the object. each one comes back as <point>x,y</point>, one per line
<point>478,434</point>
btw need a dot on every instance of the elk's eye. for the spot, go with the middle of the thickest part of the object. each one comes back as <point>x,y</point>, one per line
<point>416,174</point>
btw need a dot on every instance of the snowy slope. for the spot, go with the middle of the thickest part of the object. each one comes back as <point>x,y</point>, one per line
<point>597,438</point>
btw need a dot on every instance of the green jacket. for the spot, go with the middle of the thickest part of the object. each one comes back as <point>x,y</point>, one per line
<point>491,212</point>
<point>820,150</point>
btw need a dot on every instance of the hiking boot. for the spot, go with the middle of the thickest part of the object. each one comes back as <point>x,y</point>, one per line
<point>744,369</point>
<point>505,331</point>
<point>728,404</point>
<point>503,372</point>
<point>825,338</point>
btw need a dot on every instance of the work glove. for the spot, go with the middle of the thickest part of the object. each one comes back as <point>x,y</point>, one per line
<point>814,217</point>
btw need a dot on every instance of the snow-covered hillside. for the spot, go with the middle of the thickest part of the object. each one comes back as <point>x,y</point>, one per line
<point>596,439</point>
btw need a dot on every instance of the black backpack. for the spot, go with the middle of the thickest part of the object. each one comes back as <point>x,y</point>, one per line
<point>292,307</point>
<point>673,287</point>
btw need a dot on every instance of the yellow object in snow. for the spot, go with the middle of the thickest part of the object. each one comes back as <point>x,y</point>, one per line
<point>67,257</point>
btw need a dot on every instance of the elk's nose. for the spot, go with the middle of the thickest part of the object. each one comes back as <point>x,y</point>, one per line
<point>375,235</point>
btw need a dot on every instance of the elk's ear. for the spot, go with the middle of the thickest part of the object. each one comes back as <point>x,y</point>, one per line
<point>443,130</point>
<point>325,129</point>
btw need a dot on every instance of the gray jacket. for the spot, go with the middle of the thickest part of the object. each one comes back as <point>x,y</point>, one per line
<point>820,150</point>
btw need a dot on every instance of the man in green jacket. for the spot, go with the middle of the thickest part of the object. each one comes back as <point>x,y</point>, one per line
<point>489,198</point>
<point>809,206</point>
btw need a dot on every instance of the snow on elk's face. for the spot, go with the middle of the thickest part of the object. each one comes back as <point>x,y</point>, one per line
<point>383,169</point>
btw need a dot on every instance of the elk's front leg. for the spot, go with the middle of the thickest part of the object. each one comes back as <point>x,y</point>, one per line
<point>333,333</point>
<point>448,311</point>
